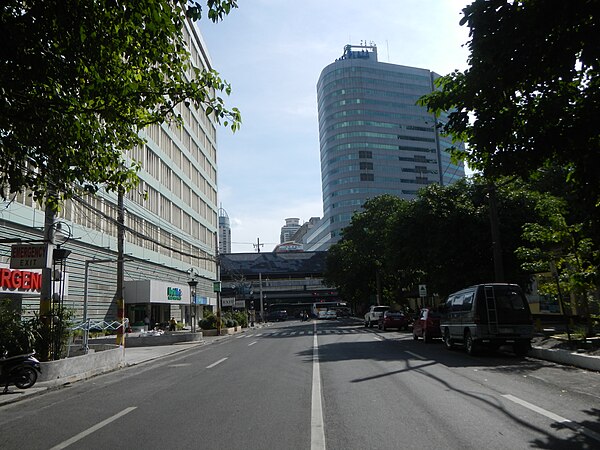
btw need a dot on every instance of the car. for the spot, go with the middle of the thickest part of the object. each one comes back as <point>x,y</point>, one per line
<point>488,316</point>
<point>277,316</point>
<point>322,314</point>
<point>331,315</point>
<point>427,325</point>
<point>392,319</point>
<point>373,314</point>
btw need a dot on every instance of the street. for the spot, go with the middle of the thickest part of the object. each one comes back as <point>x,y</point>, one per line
<point>316,385</point>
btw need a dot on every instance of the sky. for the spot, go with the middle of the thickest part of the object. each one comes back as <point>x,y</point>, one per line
<point>272,53</point>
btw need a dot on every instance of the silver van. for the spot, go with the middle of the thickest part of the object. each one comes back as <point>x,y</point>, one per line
<point>488,315</point>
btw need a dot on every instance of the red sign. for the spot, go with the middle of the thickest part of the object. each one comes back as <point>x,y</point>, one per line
<point>23,280</point>
<point>31,256</point>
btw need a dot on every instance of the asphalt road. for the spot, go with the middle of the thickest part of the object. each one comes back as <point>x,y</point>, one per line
<point>343,387</point>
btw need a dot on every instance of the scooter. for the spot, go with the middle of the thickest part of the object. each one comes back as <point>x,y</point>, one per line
<point>20,370</point>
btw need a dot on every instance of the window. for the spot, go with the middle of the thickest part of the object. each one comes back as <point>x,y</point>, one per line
<point>366,166</point>
<point>365,154</point>
<point>367,177</point>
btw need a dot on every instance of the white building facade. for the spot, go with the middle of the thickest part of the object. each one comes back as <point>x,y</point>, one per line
<point>171,225</point>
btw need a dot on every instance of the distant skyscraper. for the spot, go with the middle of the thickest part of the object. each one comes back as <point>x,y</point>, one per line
<point>224,232</point>
<point>289,229</point>
<point>374,139</point>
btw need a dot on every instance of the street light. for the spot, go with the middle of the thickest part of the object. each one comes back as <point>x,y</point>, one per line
<point>193,284</point>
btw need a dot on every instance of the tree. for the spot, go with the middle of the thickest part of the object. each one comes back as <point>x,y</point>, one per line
<point>531,96</point>
<point>356,264</point>
<point>80,78</point>
<point>442,239</point>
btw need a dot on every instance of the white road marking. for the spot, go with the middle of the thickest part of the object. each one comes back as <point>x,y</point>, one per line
<point>90,430</point>
<point>377,338</point>
<point>416,355</point>
<point>552,416</point>
<point>216,363</point>
<point>317,427</point>
<point>252,343</point>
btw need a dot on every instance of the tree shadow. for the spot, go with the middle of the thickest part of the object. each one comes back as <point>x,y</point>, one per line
<point>584,435</point>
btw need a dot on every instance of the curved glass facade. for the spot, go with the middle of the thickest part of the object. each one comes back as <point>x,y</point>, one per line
<point>374,139</point>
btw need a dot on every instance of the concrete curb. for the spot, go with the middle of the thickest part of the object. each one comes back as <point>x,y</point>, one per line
<point>565,357</point>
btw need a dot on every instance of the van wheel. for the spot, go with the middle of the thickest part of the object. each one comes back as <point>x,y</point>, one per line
<point>521,348</point>
<point>447,341</point>
<point>470,344</point>
<point>426,337</point>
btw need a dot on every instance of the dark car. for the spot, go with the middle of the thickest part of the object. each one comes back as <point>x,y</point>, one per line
<point>427,325</point>
<point>393,319</point>
<point>276,316</point>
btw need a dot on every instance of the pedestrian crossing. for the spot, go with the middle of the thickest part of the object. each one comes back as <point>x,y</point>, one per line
<point>285,333</point>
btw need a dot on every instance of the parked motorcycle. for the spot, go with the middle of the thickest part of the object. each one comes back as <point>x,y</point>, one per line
<point>20,370</point>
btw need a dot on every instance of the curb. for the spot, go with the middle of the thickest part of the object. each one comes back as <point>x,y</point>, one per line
<point>565,357</point>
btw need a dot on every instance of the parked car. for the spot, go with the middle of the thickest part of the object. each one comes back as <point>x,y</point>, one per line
<point>488,315</point>
<point>393,319</point>
<point>372,316</point>
<point>427,325</point>
<point>276,316</point>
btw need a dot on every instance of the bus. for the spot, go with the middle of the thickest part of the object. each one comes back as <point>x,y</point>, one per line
<point>341,308</point>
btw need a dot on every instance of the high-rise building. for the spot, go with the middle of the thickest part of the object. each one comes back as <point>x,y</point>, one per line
<point>224,232</point>
<point>374,139</point>
<point>170,227</point>
<point>289,229</point>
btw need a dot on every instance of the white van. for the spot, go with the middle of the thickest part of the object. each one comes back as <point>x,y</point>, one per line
<point>488,315</point>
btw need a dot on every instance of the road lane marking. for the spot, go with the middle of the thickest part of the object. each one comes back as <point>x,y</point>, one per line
<point>216,363</point>
<point>252,343</point>
<point>90,430</point>
<point>416,355</point>
<point>317,427</point>
<point>555,417</point>
<point>377,338</point>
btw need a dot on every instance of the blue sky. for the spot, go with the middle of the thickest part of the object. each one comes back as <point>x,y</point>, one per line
<point>272,53</point>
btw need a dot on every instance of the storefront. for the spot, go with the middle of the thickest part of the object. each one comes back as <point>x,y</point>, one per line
<point>158,301</point>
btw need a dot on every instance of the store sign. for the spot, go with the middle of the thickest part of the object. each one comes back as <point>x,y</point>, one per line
<point>31,256</point>
<point>227,301</point>
<point>173,294</point>
<point>22,280</point>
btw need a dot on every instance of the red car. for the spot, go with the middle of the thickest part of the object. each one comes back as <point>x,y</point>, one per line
<point>392,319</point>
<point>427,325</point>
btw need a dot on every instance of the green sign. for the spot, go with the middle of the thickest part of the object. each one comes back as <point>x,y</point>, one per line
<point>173,294</point>
<point>216,286</point>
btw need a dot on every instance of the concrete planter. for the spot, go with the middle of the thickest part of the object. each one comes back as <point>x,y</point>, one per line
<point>103,359</point>
<point>224,331</point>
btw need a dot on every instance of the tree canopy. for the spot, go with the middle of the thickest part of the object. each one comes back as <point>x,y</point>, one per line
<point>531,96</point>
<point>441,239</point>
<point>80,78</point>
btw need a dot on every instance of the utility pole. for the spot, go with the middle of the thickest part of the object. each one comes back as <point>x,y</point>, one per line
<point>120,267</point>
<point>218,284</point>
<point>495,230</point>
<point>47,285</point>
<point>258,245</point>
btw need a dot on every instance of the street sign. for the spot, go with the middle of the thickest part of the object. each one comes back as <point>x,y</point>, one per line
<point>31,256</point>
<point>227,301</point>
<point>422,290</point>
<point>216,286</point>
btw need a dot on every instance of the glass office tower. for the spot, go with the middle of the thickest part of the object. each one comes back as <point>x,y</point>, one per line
<point>374,139</point>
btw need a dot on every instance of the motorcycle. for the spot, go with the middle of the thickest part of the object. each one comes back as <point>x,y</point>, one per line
<point>20,370</point>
